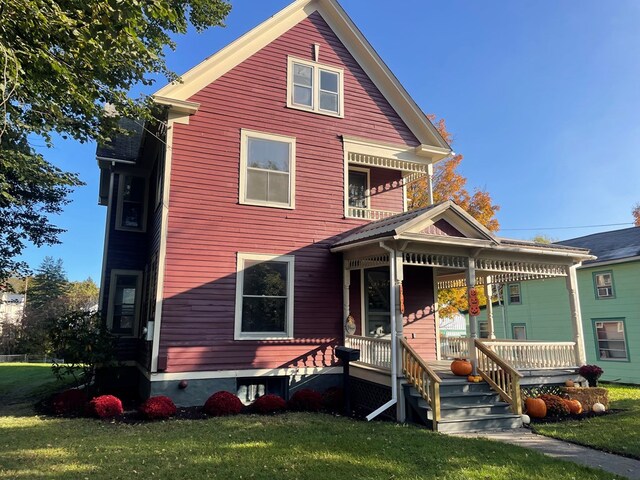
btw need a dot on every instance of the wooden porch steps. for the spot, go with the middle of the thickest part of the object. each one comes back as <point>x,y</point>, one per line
<point>464,407</point>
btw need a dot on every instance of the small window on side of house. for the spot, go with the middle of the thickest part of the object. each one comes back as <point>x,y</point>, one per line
<point>131,212</point>
<point>124,302</point>
<point>519,332</point>
<point>603,282</point>
<point>358,194</point>
<point>515,297</point>
<point>315,87</point>
<point>483,329</point>
<point>611,340</point>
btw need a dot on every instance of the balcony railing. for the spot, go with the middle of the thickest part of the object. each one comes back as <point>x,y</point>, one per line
<point>369,214</point>
<point>454,347</point>
<point>375,352</point>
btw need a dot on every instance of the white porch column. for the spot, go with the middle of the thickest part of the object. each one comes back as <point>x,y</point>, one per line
<point>488,292</point>
<point>346,283</point>
<point>473,321</point>
<point>576,315</point>
<point>430,183</point>
<point>398,324</point>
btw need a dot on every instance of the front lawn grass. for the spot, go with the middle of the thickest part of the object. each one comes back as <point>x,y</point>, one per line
<point>616,433</point>
<point>23,384</point>
<point>291,446</point>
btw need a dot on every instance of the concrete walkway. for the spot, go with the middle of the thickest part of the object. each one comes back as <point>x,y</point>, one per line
<point>625,467</point>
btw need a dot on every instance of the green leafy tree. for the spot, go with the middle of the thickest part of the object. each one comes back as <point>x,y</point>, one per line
<point>82,295</point>
<point>540,238</point>
<point>61,62</point>
<point>45,301</point>
<point>82,344</point>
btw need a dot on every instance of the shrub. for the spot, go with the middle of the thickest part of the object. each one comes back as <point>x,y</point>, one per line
<point>106,406</point>
<point>333,399</point>
<point>269,404</point>
<point>305,400</point>
<point>158,408</point>
<point>591,373</point>
<point>555,405</point>
<point>222,403</point>
<point>69,401</point>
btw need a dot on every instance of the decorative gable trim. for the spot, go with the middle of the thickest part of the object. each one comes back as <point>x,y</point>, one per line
<point>432,145</point>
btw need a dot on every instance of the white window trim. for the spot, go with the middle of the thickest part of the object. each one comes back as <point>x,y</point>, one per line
<point>244,139</point>
<point>112,292</point>
<point>288,333</point>
<point>367,191</point>
<point>145,202</point>
<point>315,108</point>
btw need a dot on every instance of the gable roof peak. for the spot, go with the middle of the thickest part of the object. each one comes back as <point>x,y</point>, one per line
<point>351,37</point>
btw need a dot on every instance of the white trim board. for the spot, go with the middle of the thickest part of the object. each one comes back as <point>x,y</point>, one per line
<point>264,372</point>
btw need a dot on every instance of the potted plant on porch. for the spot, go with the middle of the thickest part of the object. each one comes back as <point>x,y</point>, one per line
<point>591,373</point>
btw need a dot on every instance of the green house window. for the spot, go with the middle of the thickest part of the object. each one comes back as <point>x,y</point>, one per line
<point>603,283</point>
<point>611,340</point>
<point>513,291</point>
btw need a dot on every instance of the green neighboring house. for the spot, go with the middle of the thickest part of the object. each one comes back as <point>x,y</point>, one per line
<point>609,301</point>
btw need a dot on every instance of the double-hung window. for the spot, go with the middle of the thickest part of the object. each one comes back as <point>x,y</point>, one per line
<point>611,339</point>
<point>124,302</point>
<point>603,282</point>
<point>131,212</point>
<point>315,87</point>
<point>513,290</point>
<point>264,296</point>
<point>267,169</point>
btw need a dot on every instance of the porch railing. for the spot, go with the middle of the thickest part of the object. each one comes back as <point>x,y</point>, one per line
<point>423,378</point>
<point>454,347</point>
<point>500,375</point>
<point>369,214</point>
<point>373,351</point>
<point>531,355</point>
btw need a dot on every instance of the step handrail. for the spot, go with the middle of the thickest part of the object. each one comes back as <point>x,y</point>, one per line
<point>500,375</point>
<point>422,377</point>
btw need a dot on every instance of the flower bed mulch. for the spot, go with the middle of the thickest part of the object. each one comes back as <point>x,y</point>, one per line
<point>567,418</point>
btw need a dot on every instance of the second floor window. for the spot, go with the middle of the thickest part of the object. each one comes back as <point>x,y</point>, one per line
<point>603,284</point>
<point>358,188</point>
<point>267,169</point>
<point>513,290</point>
<point>315,87</point>
<point>131,213</point>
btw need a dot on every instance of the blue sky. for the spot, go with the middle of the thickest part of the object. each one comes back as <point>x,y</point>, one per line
<point>541,96</point>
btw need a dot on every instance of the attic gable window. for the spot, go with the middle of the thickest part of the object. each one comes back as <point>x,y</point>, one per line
<point>315,87</point>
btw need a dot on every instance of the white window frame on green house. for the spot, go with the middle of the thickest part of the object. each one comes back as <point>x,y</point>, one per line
<point>247,170</point>
<point>510,296</point>
<point>115,274</point>
<point>121,215</point>
<point>515,326</point>
<point>287,331</point>
<point>620,328</point>
<point>603,290</point>
<point>315,87</point>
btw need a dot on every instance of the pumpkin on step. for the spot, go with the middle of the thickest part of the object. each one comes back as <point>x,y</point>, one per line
<point>536,407</point>
<point>575,407</point>
<point>461,367</point>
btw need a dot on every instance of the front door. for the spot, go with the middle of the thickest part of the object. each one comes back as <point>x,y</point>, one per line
<point>377,302</point>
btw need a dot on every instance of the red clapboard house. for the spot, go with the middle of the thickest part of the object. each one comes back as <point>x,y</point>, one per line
<point>263,221</point>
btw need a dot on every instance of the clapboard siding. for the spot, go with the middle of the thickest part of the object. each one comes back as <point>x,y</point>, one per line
<point>419,312</point>
<point>207,227</point>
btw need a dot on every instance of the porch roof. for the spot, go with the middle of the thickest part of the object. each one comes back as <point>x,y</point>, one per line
<point>466,232</point>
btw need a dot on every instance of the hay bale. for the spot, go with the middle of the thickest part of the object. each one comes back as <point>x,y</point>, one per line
<point>587,396</point>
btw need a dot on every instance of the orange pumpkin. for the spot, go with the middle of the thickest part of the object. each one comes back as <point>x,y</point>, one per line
<point>569,383</point>
<point>575,407</point>
<point>536,407</point>
<point>461,367</point>
<point>474,379</point>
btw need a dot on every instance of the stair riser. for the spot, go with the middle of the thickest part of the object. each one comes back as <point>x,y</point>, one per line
<point>468,387</point>
<point>469,400</point>
<point>480,425</point>
<point>473,412</point>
